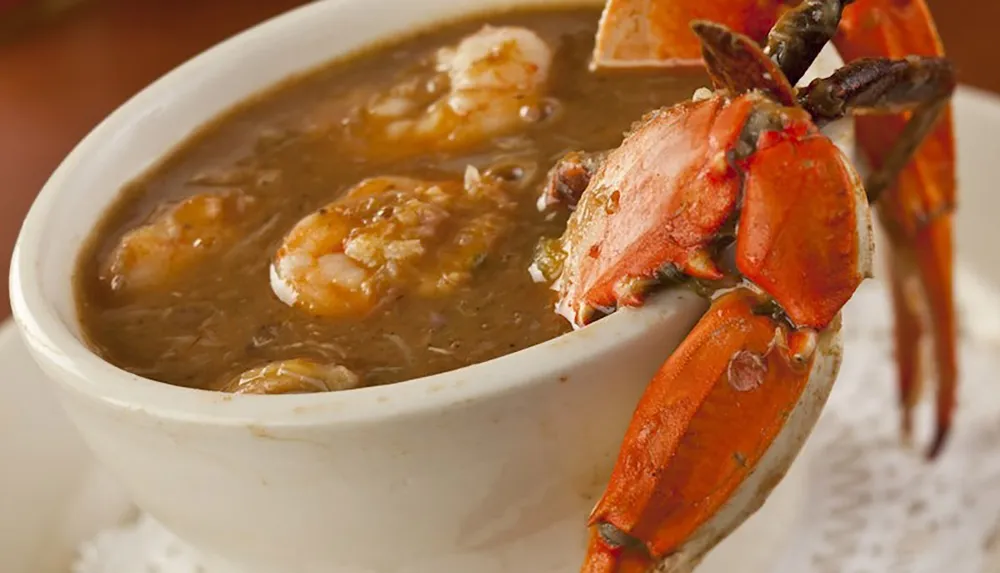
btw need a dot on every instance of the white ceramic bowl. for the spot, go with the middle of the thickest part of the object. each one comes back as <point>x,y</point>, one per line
<point>490,468</point>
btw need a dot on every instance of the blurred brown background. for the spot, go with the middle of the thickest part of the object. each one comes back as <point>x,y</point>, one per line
<point>65,64</point>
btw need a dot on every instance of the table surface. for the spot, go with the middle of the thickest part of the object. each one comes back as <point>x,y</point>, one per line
<point>61,74</point>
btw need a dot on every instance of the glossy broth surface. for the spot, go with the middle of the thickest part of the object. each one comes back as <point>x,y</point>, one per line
<point>284,149</point>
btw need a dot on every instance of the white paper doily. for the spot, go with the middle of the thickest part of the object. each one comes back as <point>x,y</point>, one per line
<point>875,506</point>
<point>872,505</point>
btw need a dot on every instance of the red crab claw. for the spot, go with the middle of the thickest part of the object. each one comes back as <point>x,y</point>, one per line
<point>729,410</point>
<point>714,433</point>
<point>916,209</point>
<point>916,205</point>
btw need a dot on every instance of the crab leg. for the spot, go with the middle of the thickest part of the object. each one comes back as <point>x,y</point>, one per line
<point>800,34</point>
<point>737,64</point>
<point>715,431</point>
<point>922,85</point>
<point>916,211</point>
<point>908,331</point>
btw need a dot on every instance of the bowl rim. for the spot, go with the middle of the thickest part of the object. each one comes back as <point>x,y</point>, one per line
<point>76,367</point>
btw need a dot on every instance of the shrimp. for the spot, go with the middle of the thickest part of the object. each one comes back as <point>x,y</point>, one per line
<point>488,85</point>
<point>175,238</point>
<point>386,236</point>
<point>296,376</point>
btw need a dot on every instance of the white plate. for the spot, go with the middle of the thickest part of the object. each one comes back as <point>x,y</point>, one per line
<point>53,496</point>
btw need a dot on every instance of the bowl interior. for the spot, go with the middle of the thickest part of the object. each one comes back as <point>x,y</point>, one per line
<point>140,133</point>
<point>143,131</point>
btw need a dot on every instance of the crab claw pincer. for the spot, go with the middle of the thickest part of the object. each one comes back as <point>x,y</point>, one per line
<point>714,433</point>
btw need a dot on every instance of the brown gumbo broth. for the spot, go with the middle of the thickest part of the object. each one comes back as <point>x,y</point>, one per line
<point>284,153</point>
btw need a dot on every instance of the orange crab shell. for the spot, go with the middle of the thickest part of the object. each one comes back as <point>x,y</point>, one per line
<point>648,206</point>
<point>805,229</point>
<point>662,199</point>
<point>714,432</point>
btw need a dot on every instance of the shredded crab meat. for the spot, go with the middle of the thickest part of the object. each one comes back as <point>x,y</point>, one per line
<point>488,85</point>
<point>389,235</point>
<point>174,239</point>
<point>296,376</point>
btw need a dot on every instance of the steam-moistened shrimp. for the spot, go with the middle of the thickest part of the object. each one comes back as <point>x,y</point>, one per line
<point>174,239</point>
<point>389,235</point>
<point>488,85</point>
<point>296,376</point>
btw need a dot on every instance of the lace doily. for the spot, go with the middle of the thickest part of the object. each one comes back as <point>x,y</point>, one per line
<point>872,506</point>
<point>877,507</point>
